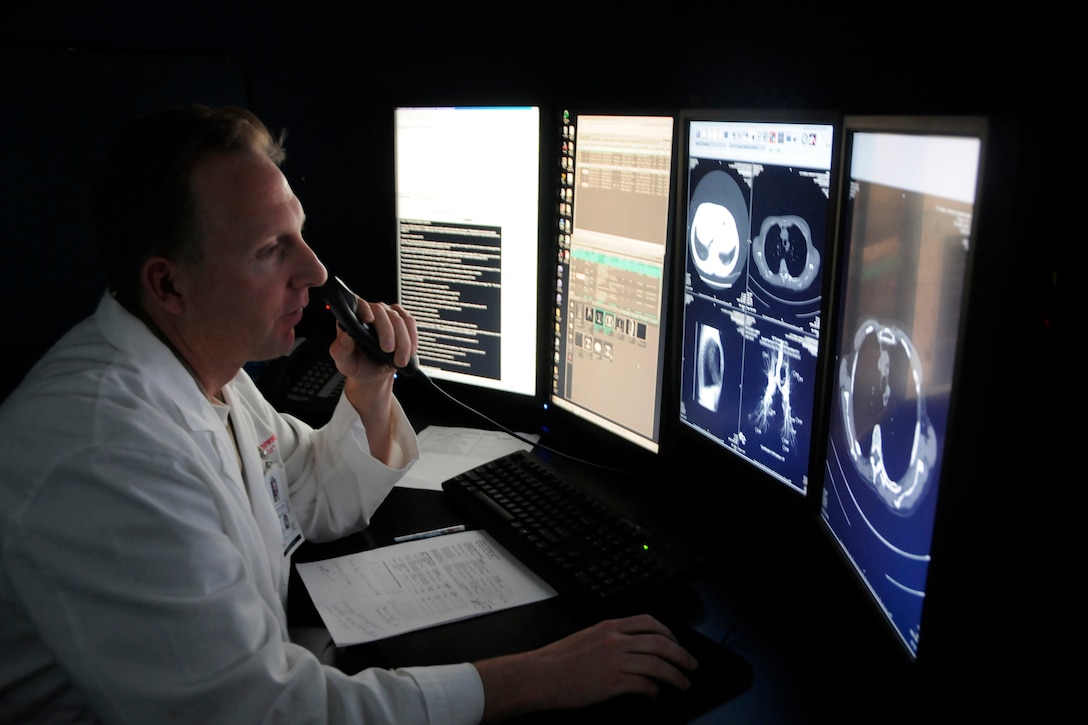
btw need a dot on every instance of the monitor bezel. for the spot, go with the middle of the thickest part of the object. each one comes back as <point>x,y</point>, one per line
<point>493,406</point>
<point>570,432</point>
<point>746,480</point>
<point>928,668</point>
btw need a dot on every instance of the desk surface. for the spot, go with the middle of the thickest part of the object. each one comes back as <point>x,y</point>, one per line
<point>729,686</point>
<point>815,654</point>
<point>775,622</point>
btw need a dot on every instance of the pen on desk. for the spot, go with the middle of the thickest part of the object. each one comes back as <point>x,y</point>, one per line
<point>428,534</point>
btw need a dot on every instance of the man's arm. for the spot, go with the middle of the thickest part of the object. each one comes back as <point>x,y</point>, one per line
<point>622,656</point>
<point>369,385</point>
<point>158,583</point>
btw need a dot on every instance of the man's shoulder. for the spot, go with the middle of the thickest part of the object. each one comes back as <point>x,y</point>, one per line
<point>86,388</point>
<point>80,433</point>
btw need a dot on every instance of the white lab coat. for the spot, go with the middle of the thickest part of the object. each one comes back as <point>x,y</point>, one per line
<point>143,578</point>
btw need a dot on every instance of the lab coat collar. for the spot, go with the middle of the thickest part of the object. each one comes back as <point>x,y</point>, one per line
<point>169,379</point>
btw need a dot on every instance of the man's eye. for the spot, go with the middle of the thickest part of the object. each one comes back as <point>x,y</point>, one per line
<point>268,251</point>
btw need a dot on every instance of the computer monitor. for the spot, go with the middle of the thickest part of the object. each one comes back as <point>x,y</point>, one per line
<point>756,207</point>
<point>908,236</point>
<point>611,281</point>
<point>467,182</point>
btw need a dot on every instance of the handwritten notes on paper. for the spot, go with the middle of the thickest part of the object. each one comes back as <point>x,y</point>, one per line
<point>401,588</point>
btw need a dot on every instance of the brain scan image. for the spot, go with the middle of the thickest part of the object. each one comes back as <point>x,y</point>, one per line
<point>784,254</point>
<point>718,230</point>
<point>710,368</point>
<point>890,439</point>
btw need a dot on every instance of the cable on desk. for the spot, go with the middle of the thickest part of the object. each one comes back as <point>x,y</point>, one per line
<point>523,439</point>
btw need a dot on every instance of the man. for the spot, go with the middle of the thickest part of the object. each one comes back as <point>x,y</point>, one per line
<point>145,533</point>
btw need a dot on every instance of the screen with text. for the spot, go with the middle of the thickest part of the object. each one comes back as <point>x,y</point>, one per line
<point>467,194</point>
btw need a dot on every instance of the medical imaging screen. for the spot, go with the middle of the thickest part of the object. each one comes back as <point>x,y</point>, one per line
<point>613,235</point>
<point>908,225</point>
<point>758,206</point>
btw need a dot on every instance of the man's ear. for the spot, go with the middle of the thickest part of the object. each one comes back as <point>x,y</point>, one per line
<point>157,277</point>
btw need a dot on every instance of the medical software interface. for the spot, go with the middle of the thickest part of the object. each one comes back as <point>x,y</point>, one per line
<point>613,230</point>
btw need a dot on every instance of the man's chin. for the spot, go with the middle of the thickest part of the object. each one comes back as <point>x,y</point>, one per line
<point>283,346</point>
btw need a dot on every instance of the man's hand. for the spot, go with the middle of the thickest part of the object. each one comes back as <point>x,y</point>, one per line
<point>621,656</point>
<point>395,330</point>
<point>369,384</point>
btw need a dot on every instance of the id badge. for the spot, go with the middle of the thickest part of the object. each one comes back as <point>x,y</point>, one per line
<point>277,488</point>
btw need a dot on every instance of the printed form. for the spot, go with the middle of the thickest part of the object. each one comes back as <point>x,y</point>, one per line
<point>401,588</point>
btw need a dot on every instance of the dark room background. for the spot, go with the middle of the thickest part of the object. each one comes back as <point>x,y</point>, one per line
<point>330,74</point>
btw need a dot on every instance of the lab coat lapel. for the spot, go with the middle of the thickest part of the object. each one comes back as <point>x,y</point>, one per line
<point>253,467</point>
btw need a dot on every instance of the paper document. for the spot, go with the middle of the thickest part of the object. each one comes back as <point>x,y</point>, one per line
<point>404,587</point>
<point>445,452</point>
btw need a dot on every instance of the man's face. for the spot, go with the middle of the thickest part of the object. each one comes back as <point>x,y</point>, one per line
<point>246,296</point>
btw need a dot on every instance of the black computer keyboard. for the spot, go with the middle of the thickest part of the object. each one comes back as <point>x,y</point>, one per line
<point>586,550</point>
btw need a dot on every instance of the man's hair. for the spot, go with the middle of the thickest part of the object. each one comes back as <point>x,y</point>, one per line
<point>143,206</point>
